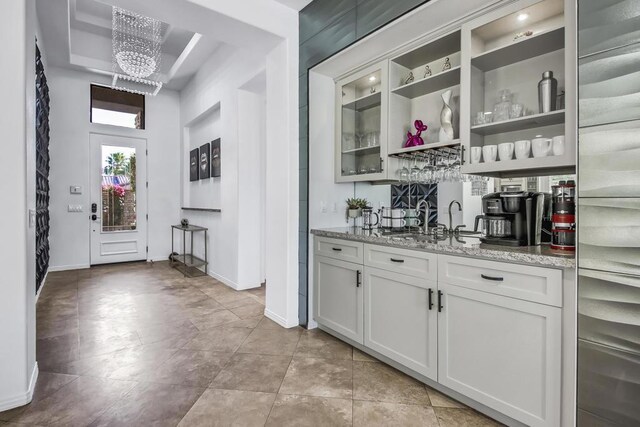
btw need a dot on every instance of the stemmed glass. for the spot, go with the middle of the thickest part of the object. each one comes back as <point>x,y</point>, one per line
<point>403,173</point>
<point>428,170</point>
<point>415,171</point>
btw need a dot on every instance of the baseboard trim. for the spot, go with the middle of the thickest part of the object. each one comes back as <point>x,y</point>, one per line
<point>226,281</point>
<point>23,398</point>
<point>34,380</point>
<point>279,319</point>
<point>44,282</point>
<point>68,267</point>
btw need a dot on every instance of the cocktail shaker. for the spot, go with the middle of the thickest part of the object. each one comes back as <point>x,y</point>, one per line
<point>547,92</point>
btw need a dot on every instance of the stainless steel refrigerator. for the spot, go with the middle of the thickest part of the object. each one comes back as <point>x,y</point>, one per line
<point>609,213</point>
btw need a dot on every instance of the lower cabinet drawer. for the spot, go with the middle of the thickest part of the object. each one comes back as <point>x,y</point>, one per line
<point>536,284</point>
<point>343,250</point>
<point>404,261</point>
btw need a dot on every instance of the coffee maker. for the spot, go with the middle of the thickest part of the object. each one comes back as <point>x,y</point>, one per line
<point>511,218</point>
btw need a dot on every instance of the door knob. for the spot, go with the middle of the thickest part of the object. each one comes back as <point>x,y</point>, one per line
<point>94,217</point>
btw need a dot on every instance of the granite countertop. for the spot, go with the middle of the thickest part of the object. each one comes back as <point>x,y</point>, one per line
<point>464,245</point>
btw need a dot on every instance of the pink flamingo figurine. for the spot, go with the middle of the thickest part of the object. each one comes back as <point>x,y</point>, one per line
<point>416,140</point>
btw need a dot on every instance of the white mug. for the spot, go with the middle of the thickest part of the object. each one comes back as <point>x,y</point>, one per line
<point>505,150</point>
<point>385,222</point>
<point>413,222</point>
<point>476,154</point>
<point>523,149</point>
<point>558,145</point>
<point>398,213</point>
<point>398,223</point>
<point>489,153</point>
<point>411,213</point>
<point>541,147</point>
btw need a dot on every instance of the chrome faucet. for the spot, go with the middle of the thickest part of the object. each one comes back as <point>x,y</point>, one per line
<point>424,202</point>
<point>451,229</point>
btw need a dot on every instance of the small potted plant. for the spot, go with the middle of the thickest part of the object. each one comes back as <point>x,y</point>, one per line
<point>355,206</point>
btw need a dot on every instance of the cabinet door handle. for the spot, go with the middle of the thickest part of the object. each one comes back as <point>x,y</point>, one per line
<point>337,249</point>
<point>358,278</point>
<point>439,301</point>
<point>430,298</point>
<point>396,260</point>
<point>495,279</point>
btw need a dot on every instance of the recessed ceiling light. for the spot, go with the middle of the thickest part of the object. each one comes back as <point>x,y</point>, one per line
<point>538,136</point>
<point>372,78</point>
<point>522,17</point>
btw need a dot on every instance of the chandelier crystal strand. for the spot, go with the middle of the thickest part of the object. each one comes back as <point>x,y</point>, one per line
<point>136,44</point>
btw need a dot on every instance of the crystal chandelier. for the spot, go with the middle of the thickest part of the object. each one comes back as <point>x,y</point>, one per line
<point>136,52</point>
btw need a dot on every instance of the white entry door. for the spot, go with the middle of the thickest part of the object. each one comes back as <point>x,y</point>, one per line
<point>118,213</point>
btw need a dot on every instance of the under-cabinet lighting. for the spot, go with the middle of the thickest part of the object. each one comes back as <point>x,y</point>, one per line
<point>523,17</point>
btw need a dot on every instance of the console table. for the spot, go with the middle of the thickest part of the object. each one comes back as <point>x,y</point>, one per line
<point>189,264</point>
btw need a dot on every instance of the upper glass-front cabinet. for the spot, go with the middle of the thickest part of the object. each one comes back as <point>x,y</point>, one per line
<point>361,131</point>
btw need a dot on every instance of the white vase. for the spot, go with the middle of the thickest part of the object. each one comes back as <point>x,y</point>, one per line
<point>354,213</point>
<point>446,117</point>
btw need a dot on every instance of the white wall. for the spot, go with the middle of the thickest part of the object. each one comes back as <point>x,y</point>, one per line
<point>18,369</point>
<point>282,182</point>
<point>69,151</point>
<point>278,40</point>
<point>213,106</point>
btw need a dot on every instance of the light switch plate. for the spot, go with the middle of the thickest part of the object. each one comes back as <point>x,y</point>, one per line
<point>75,189</point>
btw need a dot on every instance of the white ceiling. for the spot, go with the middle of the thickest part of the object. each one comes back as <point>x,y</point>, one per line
<point>77,34</point>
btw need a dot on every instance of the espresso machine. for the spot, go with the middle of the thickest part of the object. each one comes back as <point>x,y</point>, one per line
<point>511,218</point>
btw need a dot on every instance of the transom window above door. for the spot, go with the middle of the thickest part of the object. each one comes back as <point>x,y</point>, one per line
<point>117,108</point>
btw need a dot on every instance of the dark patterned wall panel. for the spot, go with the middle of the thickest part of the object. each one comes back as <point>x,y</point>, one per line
<point>332,39</point>
<point>302,90</point>
<point>42,172</point>
<point>373,14</point>
<point>319,14</point>
<point>607,24</point>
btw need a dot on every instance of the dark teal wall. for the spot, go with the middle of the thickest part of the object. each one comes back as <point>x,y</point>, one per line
<point>327,27</point>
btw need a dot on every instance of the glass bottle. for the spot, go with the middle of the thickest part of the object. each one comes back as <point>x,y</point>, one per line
<point>502,109</point>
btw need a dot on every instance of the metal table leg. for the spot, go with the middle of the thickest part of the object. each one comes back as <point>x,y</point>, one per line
<point>184,251</point>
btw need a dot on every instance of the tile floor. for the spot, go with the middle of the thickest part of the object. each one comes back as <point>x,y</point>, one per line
<point>137,344</point>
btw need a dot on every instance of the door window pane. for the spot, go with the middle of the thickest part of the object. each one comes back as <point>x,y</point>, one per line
<point>118,189</point>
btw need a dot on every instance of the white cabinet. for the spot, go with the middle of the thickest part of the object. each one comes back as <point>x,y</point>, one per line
<point>502,352</point>
<point>504,53</point>
<point>401,319</point>
<point>361,125</point>
<point>339,296</point>
<point>488,330</point>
